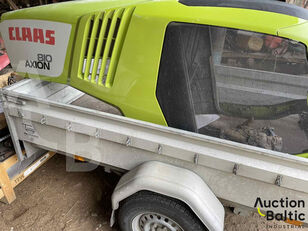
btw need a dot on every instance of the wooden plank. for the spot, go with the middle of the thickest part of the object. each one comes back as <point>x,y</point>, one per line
<point>24,174</point>
<point>4,79</point>
<point>6,186</point>
<point>5,182</point>
<point>9,162</point>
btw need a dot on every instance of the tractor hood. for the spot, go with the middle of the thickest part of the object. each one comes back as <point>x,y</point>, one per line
<point>40,40</point>
<point>261,5</point>
<point>68,12</point>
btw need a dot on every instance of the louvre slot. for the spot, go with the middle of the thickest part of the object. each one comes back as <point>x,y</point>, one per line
<point>100,24</point>
<point>108,48</point>
<point>108,27</point>
<point>101,46</point>
<point>118,42</point>
<point>97,34</point>
<point>100,43</point>
<point>88,38</point>
<point>95,47</point>
<point>116,28</point>
<point>91,46</point>
<point>84,47</point>
<point>111,48</point>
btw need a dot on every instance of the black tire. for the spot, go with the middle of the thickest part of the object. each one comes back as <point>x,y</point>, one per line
<point>151,203</point>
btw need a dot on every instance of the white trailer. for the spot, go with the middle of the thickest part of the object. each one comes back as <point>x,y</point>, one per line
<point>171,175</point>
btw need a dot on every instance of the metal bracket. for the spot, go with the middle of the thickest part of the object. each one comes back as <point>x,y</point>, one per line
<point>20,114</point>
<point>69,126</point>
<point>160,149</point>
<point>236,168</point>
<point>128,141</point>
<point>196,158</point>
<point>97,133</point>
<point>43,120</point>
<point>278,180</point>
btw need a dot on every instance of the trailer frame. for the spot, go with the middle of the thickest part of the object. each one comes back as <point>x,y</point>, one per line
<point>236,173</point>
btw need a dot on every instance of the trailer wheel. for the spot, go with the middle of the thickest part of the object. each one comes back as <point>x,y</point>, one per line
<point>147,211</point>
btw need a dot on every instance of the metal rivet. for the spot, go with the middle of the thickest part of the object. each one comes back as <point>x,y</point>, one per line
<point>128,141</point>
<point>278,180</point>
<point>235,169</point>
<point>196,158</point>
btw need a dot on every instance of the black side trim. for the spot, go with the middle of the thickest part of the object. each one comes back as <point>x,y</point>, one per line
<point>263,5</point>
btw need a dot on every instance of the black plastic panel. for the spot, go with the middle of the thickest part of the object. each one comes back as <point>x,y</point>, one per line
<point>184,86</point>
<point>263,5</point>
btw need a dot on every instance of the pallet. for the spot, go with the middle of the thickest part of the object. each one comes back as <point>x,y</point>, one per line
<point>7,185</point>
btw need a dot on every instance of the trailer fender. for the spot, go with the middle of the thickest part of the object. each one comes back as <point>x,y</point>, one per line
<point>175,182</point>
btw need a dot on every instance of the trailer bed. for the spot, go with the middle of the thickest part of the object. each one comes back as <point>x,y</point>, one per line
<point>38,117</point>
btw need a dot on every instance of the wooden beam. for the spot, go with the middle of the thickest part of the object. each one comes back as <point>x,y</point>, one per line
<point>10,184</point>
<point>9,162</point>
<point>6,186</point>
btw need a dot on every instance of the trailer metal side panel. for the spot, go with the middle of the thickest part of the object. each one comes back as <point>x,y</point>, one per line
<point>236,173</point>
